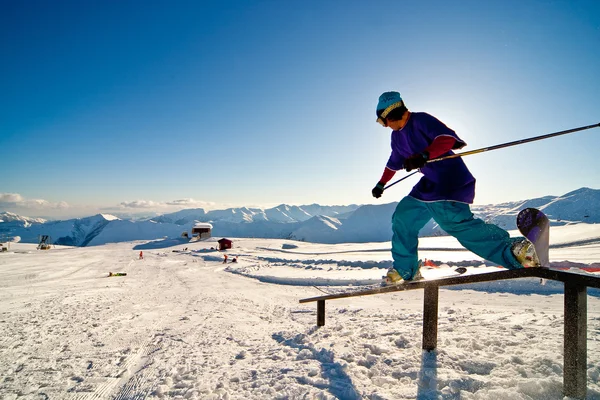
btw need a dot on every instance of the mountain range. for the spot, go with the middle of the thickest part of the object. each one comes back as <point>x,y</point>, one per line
<point>311,223</point>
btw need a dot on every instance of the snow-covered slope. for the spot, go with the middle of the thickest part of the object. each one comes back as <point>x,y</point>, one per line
<point>183,325</point>
<point>74,232</point>
<point>6,217</point>
<point>283,213</point>
<point>122,231</point>
<point>182,217</point>
<point>320,229</point>
<point>580,205</point>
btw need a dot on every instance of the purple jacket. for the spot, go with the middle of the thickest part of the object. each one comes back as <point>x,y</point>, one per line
<point>442,180</point>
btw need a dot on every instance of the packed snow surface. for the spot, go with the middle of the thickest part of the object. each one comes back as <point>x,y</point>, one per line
<point>183,325</point>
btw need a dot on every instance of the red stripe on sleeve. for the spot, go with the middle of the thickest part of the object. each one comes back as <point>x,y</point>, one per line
<point>440,145</point>
<point>388,174</point>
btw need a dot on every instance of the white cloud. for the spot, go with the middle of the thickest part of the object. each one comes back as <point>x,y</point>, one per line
<point>10,198</point>
<point>15,200</point>
<point>139,204</point>
<point>16,203</point>
<point>190,203</point>
<point>174,204</point>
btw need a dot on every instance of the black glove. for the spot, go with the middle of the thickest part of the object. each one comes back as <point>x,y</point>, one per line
<point>416,161</point>
<point>377,190</point>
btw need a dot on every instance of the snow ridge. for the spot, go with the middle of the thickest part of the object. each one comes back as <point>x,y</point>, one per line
<point>311,223</point>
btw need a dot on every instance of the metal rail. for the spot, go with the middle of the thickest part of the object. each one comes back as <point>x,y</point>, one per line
<point>575,313</point>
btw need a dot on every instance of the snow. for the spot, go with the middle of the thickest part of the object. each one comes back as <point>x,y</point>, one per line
<point>184,325</point>
<point>110,217</point>
<point>203,225</point>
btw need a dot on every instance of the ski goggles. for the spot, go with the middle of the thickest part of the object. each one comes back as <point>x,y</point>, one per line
<point>382,122</point>
<point>384,113</point>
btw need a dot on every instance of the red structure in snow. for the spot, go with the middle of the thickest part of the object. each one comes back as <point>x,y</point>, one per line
<point>224,244</point>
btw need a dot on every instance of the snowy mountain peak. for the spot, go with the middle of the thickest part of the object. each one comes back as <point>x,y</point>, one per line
<point>331,222</point>
<point>11,217</point>
<point>584,191</point>
<point>110,217</point>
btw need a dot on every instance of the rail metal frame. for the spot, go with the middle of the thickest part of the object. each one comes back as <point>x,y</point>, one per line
<point>575,313</point>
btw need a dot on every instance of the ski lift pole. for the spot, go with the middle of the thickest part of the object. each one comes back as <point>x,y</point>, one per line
<point>500,146</point>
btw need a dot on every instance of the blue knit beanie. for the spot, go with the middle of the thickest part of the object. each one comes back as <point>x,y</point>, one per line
<point>387,99</point>
<point>387,102</point>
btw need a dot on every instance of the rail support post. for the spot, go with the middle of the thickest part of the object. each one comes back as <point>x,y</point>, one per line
<point>430,317</point>
<point>575,341</point>
<point>320,312</point>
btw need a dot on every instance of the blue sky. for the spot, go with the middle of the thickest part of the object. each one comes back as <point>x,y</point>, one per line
<point>135,106</point>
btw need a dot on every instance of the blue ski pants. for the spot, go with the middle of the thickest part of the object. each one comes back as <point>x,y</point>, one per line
<point>488,241</point>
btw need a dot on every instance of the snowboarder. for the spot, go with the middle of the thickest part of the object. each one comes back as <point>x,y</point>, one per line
<point>141,255</point>
<point>443,193</point>
<point>224,258</point>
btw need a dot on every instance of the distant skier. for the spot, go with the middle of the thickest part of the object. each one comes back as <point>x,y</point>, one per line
<point>443,193</point>
<point>224,258</point>
<point>141,255</point>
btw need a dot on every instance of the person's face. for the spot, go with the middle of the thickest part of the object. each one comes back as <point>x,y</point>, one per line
<point>395,125</point>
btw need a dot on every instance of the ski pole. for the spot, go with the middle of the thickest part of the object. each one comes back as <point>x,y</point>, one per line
<point>400,180</point>
<point>516,142</point>
<point>500,146</point>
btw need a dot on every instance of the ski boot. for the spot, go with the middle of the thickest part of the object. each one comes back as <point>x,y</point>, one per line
<point>524,252</point>
<point>393,277</point>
